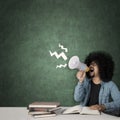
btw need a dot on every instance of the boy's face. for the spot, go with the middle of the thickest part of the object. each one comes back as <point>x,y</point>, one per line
<point>94,70</point>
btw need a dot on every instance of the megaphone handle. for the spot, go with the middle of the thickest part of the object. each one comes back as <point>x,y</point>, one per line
<point>83,67</point>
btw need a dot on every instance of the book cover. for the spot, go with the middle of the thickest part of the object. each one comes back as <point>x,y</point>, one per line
<point>33,112</point>
<point>45,115</point>
<point>39,109</point>
<point>44,104</point>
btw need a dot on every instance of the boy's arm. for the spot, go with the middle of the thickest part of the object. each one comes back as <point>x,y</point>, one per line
<point>79,92</point>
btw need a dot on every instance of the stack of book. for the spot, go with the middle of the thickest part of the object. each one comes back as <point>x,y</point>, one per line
<point>43,109</point>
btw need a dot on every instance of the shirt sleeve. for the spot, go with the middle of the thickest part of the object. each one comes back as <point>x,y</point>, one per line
<point>114,105</point>
<point>79,92</point>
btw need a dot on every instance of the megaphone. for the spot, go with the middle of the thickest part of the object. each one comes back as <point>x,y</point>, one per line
<point>74,63</point>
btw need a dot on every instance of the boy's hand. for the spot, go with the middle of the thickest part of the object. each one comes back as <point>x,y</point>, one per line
<point>98,107</point>
<point>80,76</point>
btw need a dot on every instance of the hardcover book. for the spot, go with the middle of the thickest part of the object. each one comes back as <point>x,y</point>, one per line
<point>44,104</point>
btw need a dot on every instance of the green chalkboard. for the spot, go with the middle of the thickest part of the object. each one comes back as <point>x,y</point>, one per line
<point>33,35</point>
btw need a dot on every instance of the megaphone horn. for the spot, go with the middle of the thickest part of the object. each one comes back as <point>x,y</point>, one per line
<point>74,63</point>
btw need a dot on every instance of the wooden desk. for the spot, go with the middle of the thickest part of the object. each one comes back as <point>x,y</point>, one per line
<point>21,113</point>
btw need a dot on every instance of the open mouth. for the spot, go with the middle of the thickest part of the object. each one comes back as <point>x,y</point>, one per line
<point>91,69</point>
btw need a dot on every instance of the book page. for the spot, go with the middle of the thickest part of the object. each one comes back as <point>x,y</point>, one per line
<point>87,110</point>
<point>74,109</point>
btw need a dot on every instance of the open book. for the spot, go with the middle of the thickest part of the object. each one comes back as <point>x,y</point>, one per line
<point>81,110</point>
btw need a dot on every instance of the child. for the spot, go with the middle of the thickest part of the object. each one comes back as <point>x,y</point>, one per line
<point>96,88</point>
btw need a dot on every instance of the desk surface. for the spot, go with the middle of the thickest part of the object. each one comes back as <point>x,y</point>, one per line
<point>21,113</point>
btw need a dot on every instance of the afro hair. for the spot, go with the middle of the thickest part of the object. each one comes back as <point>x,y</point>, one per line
<point>104,62</point>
